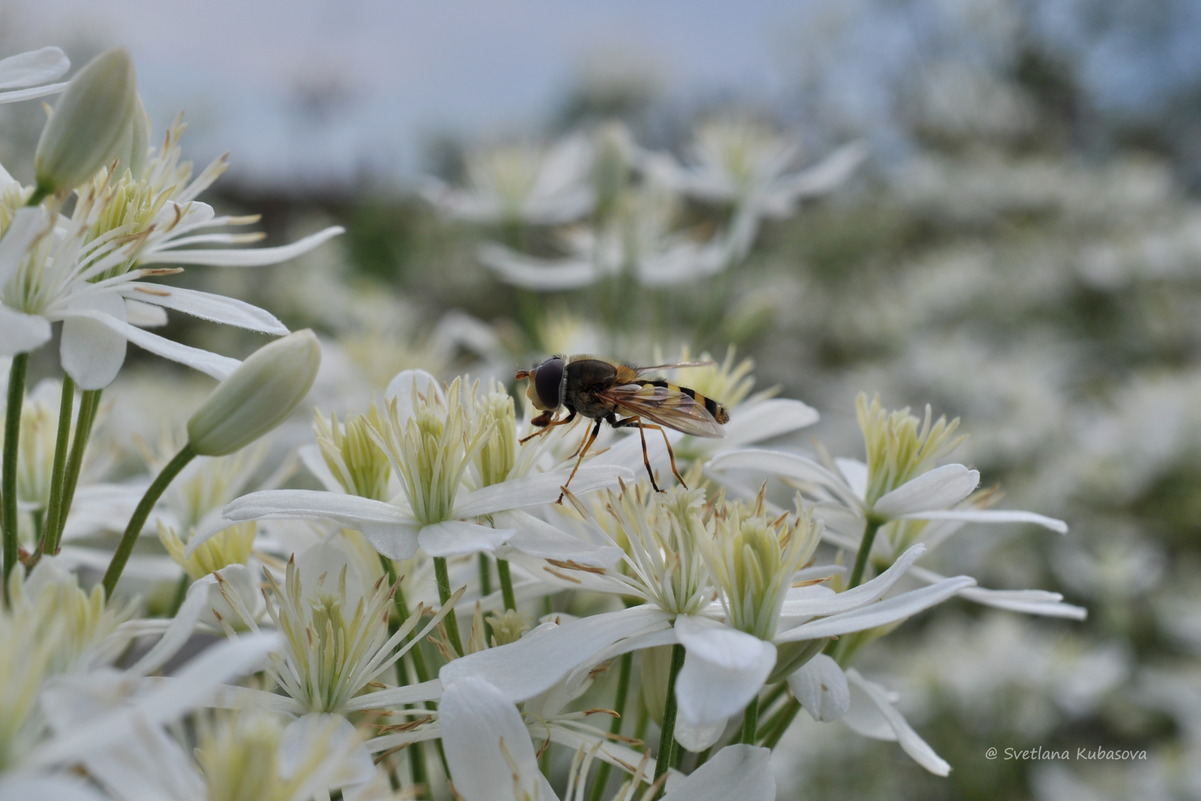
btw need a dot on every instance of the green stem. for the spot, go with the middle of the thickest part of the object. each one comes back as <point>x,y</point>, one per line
<point>506,584</point>
<point>667,731</point>
<point>773,730</point>
<point>625,669</point>
<point>442,575</point>
<point>750,722</point>
<point>8,484</point>
<point>871,527</point>
<point>181,592</point>
<point>485,575</point>
<point>58,481</point>
<point>141,514</point>
<point>40,193</point>
<point>417,767</point>
<point>88,404</point>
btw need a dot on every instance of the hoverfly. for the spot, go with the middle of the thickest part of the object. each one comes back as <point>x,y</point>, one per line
<point>601,390</point>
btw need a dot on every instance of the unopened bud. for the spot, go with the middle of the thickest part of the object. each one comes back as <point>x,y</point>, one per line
<point>257,396</point>
<point>90,125</point>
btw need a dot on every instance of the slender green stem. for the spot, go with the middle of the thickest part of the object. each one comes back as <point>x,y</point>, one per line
<point>506,583</point>
<point>442,576</point>
<point>181,592</point>
<point>8,487</point>
<point>40,193</point>
<point>416,751</point>
<point>485,575</point>
<point>625,669</point>
<point>775,726</point>
<point>58,481</point>
<point>871,527</point>
<point>667,731</point>
<point>141,514</point>
<point>88,405</point>
<point>750,722</point>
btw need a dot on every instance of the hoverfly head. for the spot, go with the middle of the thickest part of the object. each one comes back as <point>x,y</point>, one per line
<point>547,383</point>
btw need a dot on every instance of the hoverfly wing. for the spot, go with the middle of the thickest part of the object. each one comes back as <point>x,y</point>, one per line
<point>655,367</point>
<point>668,406</point>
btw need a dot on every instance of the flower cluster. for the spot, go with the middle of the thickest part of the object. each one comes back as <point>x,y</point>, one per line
<point>450,593</point>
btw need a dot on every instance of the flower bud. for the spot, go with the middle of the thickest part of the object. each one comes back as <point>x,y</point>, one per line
<point>257,396</point>
<point>90,124</point>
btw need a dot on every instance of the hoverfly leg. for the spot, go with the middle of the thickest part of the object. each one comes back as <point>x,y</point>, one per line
<point>671,455</point>
<point>636,422</point>
<point>546,421</point>
<point>583,449</point>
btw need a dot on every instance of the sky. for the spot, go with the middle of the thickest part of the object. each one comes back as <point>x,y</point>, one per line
<point>313,85</point>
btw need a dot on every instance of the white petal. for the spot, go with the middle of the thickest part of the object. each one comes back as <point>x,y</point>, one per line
<point>696,737</point>
<point>539,660</point>
<point>871,698</point>
<point>827,173</point>
<point>197,602</point>
<point>767,419</point>
<point>26,226</point>
<point>33,67</point>
<point>396,696</point>
<point>542,540</point>
<point>736,771</point>
<point>207,306</point>
<point>537,489</point>
<point>240,257</point>
<point>813,604</point>
<point>20,332</point>
<point>393,540</point>
<point>993,516</point>
<point>887,611</point>
<point>488,747</point>
<point>143,315</point>
<point>786,465</point>
<point>15,787</point>
<point>218,367</point>
<point>191,686</point>
<point>458,538</point>
<point>309,504</point>
<point>935,489</point>
<point>724,669</point>
<point>331,739</point>
<point>1029,602</point>
<point>538,274</point>
<point>92,352</point>
<point>855,474</point>
<point>821,687</point>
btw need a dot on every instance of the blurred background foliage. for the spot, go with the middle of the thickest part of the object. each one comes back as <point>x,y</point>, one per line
<point>1021,247</point>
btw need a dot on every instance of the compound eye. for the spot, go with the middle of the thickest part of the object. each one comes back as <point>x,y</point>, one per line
<point>547,385</point>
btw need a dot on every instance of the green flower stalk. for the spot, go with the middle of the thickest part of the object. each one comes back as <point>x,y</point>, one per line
<point>255,398</point>
<point>91,125</point>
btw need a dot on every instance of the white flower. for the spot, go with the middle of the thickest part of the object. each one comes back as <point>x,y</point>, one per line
<point>738,160</point>
<point>431,441</point>
<point>639,241</point>
<point>24,76</point>
<point>60,702</point>
<point>725,667</point>
<point>86,270</point>
<point>897,492</point>
<point>521,184</point>
<point>491,758</point>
